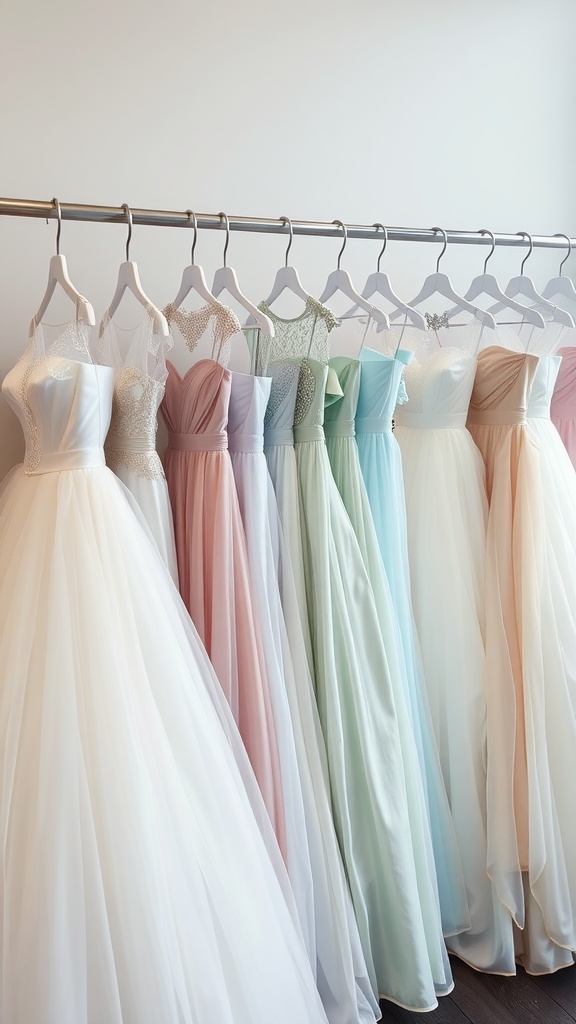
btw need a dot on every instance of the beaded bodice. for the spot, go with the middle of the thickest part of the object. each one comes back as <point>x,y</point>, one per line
<point>214,320</point>
<point>139,359</point>
<point>131,440</point>
<point>309,409</point>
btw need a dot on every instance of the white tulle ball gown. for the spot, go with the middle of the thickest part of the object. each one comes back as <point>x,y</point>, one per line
<point>139,879</point>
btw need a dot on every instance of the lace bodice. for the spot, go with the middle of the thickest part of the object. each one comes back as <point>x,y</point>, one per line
<point>131,440</point>
<point>248,399</point>
<point>543,386</point>
<point>381,389</point>
<point>64,406</point>
<point>340,412</point>
<point>502,387</point>
<point>303,336</point>
<point>309,409</point>
<point>214,320</point>
<point>139,359</point>
<point>438,390</point>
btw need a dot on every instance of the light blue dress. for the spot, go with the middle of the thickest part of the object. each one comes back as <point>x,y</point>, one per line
<point>381,464</point>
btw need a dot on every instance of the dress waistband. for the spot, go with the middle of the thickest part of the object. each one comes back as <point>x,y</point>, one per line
<point>315,433</point>
<point>339,428</point>
<point>496,417</point>
<point>245,443</point>
<point>373,425</point>
<point>433,420</point>
<point>58,462</point>
<point>130,443</point>
<point>198,442</point>
<point>284,436</point>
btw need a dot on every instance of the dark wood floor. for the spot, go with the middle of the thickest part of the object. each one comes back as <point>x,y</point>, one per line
<point>487,999</point>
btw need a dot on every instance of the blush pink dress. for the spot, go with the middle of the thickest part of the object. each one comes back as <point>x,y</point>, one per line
<point>211,547</point>
<point>563,408</point>
<point>530,713</point>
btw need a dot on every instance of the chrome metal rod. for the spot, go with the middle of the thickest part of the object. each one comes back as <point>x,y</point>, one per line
<point>262,225</point>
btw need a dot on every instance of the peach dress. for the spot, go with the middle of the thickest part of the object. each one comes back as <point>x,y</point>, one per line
<point>529,725</point>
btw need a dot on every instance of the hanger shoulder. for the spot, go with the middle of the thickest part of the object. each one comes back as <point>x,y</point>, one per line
<point>340,281</point>
<point>58,275</point>
<point>225,279</point>
<point>486,284</point>
<point>193,280</point>
<point>129,279</point>
<point>287,279</point>
<point>378,283</point>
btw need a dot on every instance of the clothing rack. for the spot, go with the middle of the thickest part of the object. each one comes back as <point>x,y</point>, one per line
<point>265,225</point>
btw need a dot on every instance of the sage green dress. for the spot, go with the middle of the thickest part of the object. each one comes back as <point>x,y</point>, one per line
<point>393,891</point>
<point>438,842</point>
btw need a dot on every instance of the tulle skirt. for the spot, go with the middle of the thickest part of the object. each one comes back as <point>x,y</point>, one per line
<point>140,881</point>
<point>154,503</point>
<point>531,725</point>
<point>447,513</point>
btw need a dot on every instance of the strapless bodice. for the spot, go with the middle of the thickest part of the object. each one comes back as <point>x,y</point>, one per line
<point>64,407</point>
<point>439,390</point>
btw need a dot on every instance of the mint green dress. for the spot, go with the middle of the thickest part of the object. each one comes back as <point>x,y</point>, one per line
<point>438,842</point>
<point>395,898</point>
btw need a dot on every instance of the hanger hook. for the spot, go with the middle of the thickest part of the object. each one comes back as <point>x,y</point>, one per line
<point>286,220</point>
<point>128,213</point>
<point>445,246</point>
<point>529,253</point>
<point>190,213</point>
<point>486,231</point>
<point>560,234</point>
<point>345,242</point>
<point>383,249</point>
<point>59,215</point>
<point>224,217</point>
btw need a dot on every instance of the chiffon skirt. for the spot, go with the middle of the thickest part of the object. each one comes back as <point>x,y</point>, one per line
<point>140,880</point>
<point>401,933</point>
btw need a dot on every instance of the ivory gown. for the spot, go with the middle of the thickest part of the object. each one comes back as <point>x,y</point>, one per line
<point>139,878</point>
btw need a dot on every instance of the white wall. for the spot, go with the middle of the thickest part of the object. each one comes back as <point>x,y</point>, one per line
<point>408,112</point>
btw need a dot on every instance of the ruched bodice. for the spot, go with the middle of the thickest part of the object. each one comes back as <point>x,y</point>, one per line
<point>64,407</point>
<point>438,390</point>
<point>502,387</point>
<point>543,386</point>
<point>380,388</point>
<point>195,407</point>
<point>248,401</point>
<point>339,412</point>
